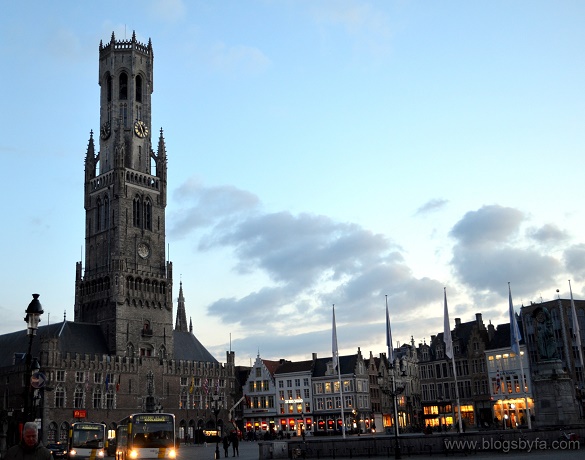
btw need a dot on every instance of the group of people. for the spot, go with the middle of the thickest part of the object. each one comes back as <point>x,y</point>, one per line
<point>232,440</point>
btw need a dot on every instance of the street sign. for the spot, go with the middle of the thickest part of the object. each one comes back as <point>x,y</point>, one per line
<point>38,380</point>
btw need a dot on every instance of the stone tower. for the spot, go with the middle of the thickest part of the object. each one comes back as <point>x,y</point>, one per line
<point>126,283</point>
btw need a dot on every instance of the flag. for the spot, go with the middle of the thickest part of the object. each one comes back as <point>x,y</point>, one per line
<point>107,381</point>
<point>447,331</point>
<point>515,336</point>
<point>217,387</point>
<point>248,401</point>
<point>192,386</point>
<point>118,383</point>
<point>334,348</point>
<point>206,386</point>
<point>389,342</point>
<point>497,381</point>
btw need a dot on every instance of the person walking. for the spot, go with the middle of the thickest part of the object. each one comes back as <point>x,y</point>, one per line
<point>226,446</point>
<point>235,443</point>
<point>29,448</point>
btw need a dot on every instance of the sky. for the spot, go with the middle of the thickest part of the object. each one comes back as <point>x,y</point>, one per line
<point>320,153</point>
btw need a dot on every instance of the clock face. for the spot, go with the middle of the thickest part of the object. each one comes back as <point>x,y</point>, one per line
<point>105,130</point>
<point>143,250</point>
<point>140,128</point>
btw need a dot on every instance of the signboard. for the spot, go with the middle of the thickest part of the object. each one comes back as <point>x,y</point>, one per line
<point>38,380</point>
<point>80,413</point>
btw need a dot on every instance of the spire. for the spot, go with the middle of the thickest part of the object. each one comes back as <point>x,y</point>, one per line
<point>90,158</point>
<point>113,39</point>
<point>90,147</point>
<point>162,150</point>
<point>190,325</point>
<point>181,321</point>
<point>133,36</point>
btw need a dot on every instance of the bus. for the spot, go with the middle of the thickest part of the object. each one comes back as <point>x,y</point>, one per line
<point>87,441</point>
<point>146,435</point>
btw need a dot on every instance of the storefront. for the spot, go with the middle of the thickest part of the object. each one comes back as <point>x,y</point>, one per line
<point>511,413</point>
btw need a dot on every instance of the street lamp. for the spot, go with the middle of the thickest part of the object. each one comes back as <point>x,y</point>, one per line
<point>394,392</point>
<point>216,410</point>
<point>32,319</point>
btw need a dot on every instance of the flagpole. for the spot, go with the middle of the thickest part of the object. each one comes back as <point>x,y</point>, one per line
<point>390,345</point>
<point>449,353</point>
<point>515,333</point>
<point>336,362</point>
<point>576,330</point>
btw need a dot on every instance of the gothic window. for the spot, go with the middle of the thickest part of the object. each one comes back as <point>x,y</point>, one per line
<point>123,81</point>
<point>148,214</point>
<point>162,352</point>
<point>109,87</point>
<point>110,400</point>
<point>106,213</point>
<point>78,398</point>
<point>64,432</point>
<point>138,88</point>
<point>124,115</point>
<point>59,397</point>
<point>97,398</point>
<point>98,217</point>
<point>136,210</point>
<point>130,350</point>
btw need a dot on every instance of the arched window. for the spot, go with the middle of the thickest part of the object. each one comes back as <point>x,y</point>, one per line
<point>97,398</point>
<point>138,88</point>
<point>123,81</point>
<point>78,398</point>
<point>63,432</point>
<point>136,212</point>
<point>109,87</point>
<point>130,350</point>
<point>98,217</point>
<point>106,213</point>
<point>59,397</point>
<point>148,214</point>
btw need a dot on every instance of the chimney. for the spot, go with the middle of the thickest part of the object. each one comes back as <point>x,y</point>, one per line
<point>479,321</point>
<point>314,356</point>
<point>457,322</point>
<point>491,331</point>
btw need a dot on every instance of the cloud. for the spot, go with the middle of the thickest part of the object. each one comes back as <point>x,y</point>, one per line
<point>488,225</point>
<point>487,254</point>
<point>238,60</point>
<point>431,206</point>
<point>574,258</point>
<point>548,234</point>
<point>168,10</point>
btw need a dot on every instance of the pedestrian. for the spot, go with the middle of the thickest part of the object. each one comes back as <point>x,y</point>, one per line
<point>226,446</point>
<point>235,443</point>
<point>29,448</point>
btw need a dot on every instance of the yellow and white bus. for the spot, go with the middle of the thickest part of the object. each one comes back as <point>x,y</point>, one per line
<point>87,440</point>
<point>146,435</point>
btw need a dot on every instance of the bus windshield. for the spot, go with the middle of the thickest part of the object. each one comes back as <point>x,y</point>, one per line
<point>153,433</point>
<point>91,437</point>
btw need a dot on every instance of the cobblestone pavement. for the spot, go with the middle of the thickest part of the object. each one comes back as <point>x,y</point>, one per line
<point>251,451</point>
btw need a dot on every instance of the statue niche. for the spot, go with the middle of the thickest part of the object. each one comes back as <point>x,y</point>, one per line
<point>547,344</point>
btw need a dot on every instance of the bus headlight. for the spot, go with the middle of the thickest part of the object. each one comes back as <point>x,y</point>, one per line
<point>100,453</point>
<point>173,453</point>
<point>133,453</point>
<point>72,453</point>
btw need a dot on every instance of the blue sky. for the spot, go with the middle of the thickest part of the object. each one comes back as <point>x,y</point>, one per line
<point>320,153</point>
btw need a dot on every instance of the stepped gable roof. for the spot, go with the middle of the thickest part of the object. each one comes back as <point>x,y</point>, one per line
<point>271,365</point>
<point>80,338</point>
<point>501,338</point>
<point>188,348</point>
<point>289,367</point>
<point>347,365</point>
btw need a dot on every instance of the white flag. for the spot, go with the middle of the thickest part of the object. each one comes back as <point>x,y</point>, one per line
<point>447,331</point>
<point>576,329</point>
<point>389,336</point>
<point>515,336</point>
<point>334,349</point>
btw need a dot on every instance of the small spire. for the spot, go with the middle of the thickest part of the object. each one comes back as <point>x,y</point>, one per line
<point>133,36</point>
<point>113,39</point>
<point>101,45</point>
<point>64,315</point>
<point>162,150</point>
<point>190,325</point>
<point>90,147</point>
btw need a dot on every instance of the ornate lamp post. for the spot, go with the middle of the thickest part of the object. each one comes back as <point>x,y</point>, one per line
<point>32,319</point>
<point>216,408</point>
<point>394,392</point>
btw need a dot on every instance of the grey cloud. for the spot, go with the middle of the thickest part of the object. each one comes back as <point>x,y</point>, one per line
<point>431,206</point>
<point>574,258</point>
<point>548,233</point>
<point>489,224</point>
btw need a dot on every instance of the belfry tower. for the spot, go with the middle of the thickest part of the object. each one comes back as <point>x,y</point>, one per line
<point>126,283</point>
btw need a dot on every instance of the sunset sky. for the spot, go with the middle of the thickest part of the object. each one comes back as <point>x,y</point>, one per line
<point>320,153</point>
